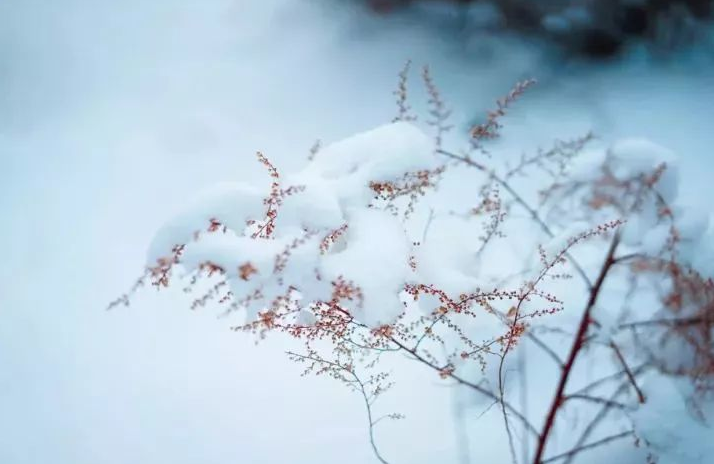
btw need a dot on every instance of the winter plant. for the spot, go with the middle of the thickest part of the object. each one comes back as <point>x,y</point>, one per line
<point>390,243</point>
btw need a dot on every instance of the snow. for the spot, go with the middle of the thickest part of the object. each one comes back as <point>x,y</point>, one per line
<point>376,259</point>
<point>229,251</point>
<point>667,422</point>
<point>701,254</point>
<point>382,154</point>
<point>126,109</point>
<point>448,257</point>
<point>233,204</point>
<point>335,190</point>
<point>316,207</point>
<point>587,165</point>
<point>648,229</point>
<point>634,157</point>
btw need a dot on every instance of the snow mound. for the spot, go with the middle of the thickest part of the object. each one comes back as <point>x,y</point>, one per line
<point>306,253</point>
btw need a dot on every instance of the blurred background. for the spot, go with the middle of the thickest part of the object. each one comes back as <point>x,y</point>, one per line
<point>113,113</point>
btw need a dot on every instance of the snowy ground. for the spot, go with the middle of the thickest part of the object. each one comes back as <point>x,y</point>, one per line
<point>111,114</point>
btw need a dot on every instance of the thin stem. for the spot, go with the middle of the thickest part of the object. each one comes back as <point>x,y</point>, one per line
<point>460,380</point>
<point>590,428</point>
<point>548,350</point>
<point>574,351</point>
<point>521,201</point>
<point>368,407</point>
<point>630,376</point>
<point>608,378</point>
<point>523,391</point>
<point>672,322</point>
<point>595,399</point>
<point>588,446</point>
<point>504,413</point>
<point>360,386</point>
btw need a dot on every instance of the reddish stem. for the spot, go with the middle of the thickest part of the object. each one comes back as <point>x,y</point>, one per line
<point>578,343</point>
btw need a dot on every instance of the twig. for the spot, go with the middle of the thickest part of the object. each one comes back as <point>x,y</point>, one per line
<point>672,322</point>
<point>460,380</point>
<point>630,377</point>
<point>608,378</point>
<point>522,202</point>
<point>588,446</point>
<point>574,351</point>
<point>361,387</point>
<point>595,399</point>
<point>548,350</point>
<point>590,428</point>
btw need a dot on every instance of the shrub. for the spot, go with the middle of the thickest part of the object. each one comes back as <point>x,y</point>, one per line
<point>360,256</point>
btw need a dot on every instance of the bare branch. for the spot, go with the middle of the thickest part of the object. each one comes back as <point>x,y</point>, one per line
<point>589,446</point>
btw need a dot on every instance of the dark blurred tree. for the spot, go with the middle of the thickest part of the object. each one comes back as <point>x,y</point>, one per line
<point>594,28</point>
